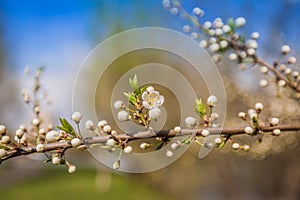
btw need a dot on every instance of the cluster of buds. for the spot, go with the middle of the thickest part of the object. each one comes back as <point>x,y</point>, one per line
<point>146,103</point>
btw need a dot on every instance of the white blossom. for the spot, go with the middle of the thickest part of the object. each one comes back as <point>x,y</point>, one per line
<point>190,122</point>
<point>119,105</point>
<point>155,113</point>
<point>205,132</point>
<point>128,149</point>
<point>152,99</point>
<point>276,131</point>
<point>240,21</point>
<point>235,146</point>
<point>249,130</point>
<point>198,12</point>
<point>52,136</point>
<point>232,56</point>
<point>263,82</point>
<point>212,100</point>
<point>123,116</point>
<point>169,153</point>
<point>89,125</point>
<point>274,121</point>
<point>75,142</point>
<point>285,49</point>
<point>40,148</point>
<point>76,117</point>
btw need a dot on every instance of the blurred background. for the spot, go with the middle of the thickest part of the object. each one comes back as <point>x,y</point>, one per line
<point>60,34</point>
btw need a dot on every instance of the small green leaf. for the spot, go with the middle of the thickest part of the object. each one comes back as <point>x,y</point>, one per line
<point>66,126</point>
<point>222,145</point>
<point>134,82</point>
<point>4,147</point>
<point>160,145</point>
<point>231,24</point>
<point>255,122</point>
<point>48,160</point>
<point>200,108</point>
<point>131,97</point>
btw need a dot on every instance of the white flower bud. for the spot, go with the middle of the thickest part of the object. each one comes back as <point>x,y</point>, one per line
<point>276,132</point>
<point>242,115</point>
<point>288,71</point>
<point>36,121</point>
<point>218,31</point>
<point>128,149</point>
<point>240,21</point>
<point>232,56</point>
<point>282,67</point>
<point>5,139</point>
<point>190,122</point>
<point>285,49</point>
<point>40,148</point>
<point>2,130</point>
<point>107,129</point>
<point>274,121</point>
<point>71,169</point>
<point>235,146</point>
<point>214,47</point>
<point>89,125</point>
<point>169,153</point>
<point>56,160</point>
<point>198,12</point>
<point>207,25</point>
<point>226,29</point>
<point>76,117</point>
<point>263,83</point>
<point>292,60</point>
<point>249,130</point>
<point>194,35</point>
<point>264,69</point>
<point>218,140</point>
<point>255,35</point>
<point>102,123</point>
<point>259,106</point>
<point>251,44</point>
<point>177,129</point>
<point>174,11</point>
<point>211,32</point>
<point>123,116</point>
<point>42,131</point>
<point>116,165</point>
<point>186,28</point>
<point>19,133</point>
<point>119,105</point>
<point>154,113</point>
<point>203,43</point>
<point>3,153</point>
<point>281,83</point>
<point>75,142</point>
<point>110,142</point>
<point>295,74</point>
<point>251,51</point>
<point>52,136</point>
<point>212,100</point>
<point>144,145</point>
<point>223,44</point>
<point>205,132</point>
<point>175,145</point>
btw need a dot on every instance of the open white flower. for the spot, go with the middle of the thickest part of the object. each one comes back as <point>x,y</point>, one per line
<point>152,99</point>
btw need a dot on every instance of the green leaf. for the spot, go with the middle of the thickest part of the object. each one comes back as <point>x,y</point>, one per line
<point>200,108</point>
<point>160,145</point>
<point>66,126</point>
<point>222,145</point>
<point>134,82</point>
<point>4,147</point>
<point>131,97</point>
<point>48,160</point>
<point>255,122</point>
<point>231,25</point>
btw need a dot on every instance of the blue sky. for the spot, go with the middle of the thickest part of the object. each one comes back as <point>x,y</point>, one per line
<point>60,33</point>
<point>57,33</point>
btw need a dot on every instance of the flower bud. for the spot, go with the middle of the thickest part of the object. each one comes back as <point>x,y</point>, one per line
<point>76,117</point>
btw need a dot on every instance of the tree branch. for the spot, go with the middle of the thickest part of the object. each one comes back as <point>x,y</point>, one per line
<point>90,141</point>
